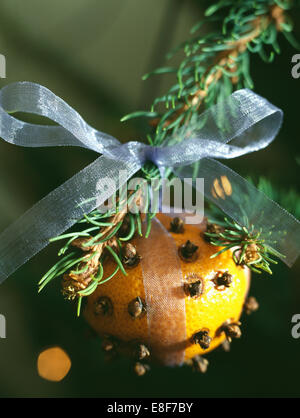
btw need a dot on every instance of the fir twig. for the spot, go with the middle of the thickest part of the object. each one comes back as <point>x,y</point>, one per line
<point>247,246</point>
<point>218,63</point>
<point>82,270</point>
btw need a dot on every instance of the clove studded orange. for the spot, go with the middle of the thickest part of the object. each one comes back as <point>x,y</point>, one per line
<point>214,291</point>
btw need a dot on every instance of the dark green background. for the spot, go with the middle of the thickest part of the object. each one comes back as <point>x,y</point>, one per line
<point>93,54</point>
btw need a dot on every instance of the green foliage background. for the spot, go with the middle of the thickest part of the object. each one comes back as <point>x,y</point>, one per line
<point>93,54</point>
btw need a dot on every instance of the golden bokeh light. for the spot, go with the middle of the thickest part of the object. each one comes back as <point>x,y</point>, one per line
<point>223,189</point>
<point>53,364</point>
<point>226,185</point>
<point>218,189</point>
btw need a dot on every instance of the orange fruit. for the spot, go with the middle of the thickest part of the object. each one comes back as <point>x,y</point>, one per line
<point>215,292</point>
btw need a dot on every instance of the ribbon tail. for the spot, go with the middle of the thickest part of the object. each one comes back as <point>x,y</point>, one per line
<point>61,209</point>
<point>247,205</point>
<point>164,294</point>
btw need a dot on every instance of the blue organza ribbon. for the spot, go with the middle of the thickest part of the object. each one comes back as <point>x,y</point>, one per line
<point>240,124</point>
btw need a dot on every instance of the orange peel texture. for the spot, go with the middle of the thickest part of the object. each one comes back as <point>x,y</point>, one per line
<point>215,304</point>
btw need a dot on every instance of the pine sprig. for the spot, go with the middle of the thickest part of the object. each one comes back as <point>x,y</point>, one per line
<point>247,246</point>
<point>101,235</point>
<point>218,63</point>
<point>229,234</point>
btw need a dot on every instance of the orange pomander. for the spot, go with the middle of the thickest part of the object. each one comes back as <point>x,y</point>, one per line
<point>214,292</point>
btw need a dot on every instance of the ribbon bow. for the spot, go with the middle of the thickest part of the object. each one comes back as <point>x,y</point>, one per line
<point>242,123</point>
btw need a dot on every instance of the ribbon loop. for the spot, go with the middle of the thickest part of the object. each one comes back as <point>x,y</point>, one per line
<point>33,98</point>
<point>241,123</point>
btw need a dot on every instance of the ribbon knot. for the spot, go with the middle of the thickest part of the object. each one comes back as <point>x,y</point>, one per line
<point>242,123</point>
<point>153,154</point>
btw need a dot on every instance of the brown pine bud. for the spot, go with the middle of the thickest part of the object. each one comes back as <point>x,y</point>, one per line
<point>202,338</point>
<point>222,280</point>
<point>251,305</point>
<point>140,369</point>
<point>193,289</point>
<point>200,364</point>
<point>188,251</point>
<point>130,257</point>
<point>70,288</point>
<point>177,225</point>
<point>142,352</point>
<point>136,308</point>
<point>103,306</point>
<point>251,254</point>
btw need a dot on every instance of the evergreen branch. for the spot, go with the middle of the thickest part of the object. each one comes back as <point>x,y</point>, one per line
<point>247,246</point>
<point>83,273</point>
<point>218,63</point>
